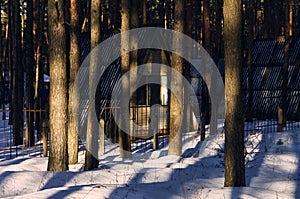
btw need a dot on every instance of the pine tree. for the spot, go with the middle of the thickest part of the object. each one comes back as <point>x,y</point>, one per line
<point>287,37</point>
<point>17,69</point>
<point>91,161</point>
<point>134,23</point>
<point>29,75</point>
<point>249,61</point>
<point>176,114</point>
<point>38,30</point>
<point>75,9</point>
<point>124,138</point>
<point>205,113</point>
<point>58,159</point>
<point>234,118</point>
<point>188,121</point>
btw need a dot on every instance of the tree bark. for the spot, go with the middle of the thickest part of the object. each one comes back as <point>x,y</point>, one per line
<point>287,34</point>
<point>92,147</point>
<point>18,77</point>
<point>219,17</point>
<point>58,159</point>
<point>38,25</point>
<point>29,75</point>
<point>234,118</point>
<point>188,121</point>
<point>124,138</point>
<point>249,61</point>
<point>134,23</point>
<point>205,105</point>
<point>75,9</point>
<point>3,65</point>
<point>176,111</point>
<point>10,64</point>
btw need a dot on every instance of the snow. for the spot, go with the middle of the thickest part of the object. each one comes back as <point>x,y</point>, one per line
<point>272,170</point>
<point>46,78</point>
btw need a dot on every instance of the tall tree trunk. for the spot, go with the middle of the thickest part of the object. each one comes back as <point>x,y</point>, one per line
<point>134,23</point>
<point>58,159</point>
<point>10,64</point>
<point>234,118</point>
<point>176,114</point>
<point>124,138</point>
<point>215,54</point>
<point>91,161</point>
<point>4,67</point>
<point>219,17</point>
<point>38,24</point>
<point>75,9</point>
<point>287,34</point>
<point>29,75</point>
<point>249,61</point>
<point>187,90</point>
<point>18,77</point>
<point>205,111</point>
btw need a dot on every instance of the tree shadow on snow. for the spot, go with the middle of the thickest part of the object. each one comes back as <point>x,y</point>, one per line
<point>270,142</point>
<point>178,183</point>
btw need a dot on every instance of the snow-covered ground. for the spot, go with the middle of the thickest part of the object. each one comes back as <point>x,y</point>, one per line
<point>272,169</point>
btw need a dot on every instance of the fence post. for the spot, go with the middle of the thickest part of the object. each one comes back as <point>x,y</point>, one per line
<point>102,137</point>
<point>45,128</point>
<point>280,120</point>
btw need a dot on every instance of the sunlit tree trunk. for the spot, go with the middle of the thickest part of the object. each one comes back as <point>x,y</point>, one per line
<point>176,111</point>
<point>58,159</point>
<point>92,147</point>
<point>124,138</point>
<point>234,118</point>
<point>75,9</point>
<point>134,23</point>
